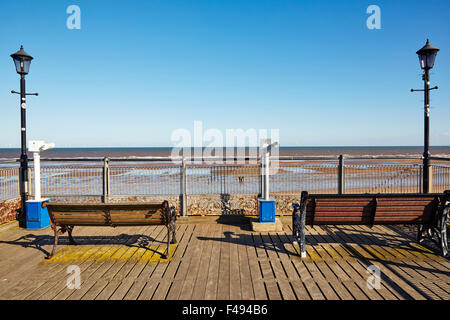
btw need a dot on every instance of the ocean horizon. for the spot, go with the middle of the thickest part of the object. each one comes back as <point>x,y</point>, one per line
<point>70,152</point>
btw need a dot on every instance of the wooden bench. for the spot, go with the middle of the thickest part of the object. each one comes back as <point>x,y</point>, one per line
<point>428,211</point>
<point>65,216</point>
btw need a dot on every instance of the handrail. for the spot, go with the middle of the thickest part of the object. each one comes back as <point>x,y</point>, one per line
<point>440,158</point>
<point>245,158</point>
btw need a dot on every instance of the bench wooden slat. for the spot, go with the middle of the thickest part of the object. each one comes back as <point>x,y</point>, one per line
<point>106,214</point>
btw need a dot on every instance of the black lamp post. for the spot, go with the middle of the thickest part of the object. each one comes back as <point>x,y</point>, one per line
<point>22,61</point>
<point>427,56</point>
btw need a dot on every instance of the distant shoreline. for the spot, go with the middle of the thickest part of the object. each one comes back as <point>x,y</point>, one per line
<point>283,151</point>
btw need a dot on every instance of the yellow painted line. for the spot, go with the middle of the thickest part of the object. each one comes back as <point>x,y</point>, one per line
<point>73,254</point>
<point>422,248</point>
<point>397,252</point>
<point>363,251</point>
<point>127,254</point>
<point>107,254</point>
<point>172,249</point>
<point>111,253</point>
<point>312,254</point>
<point>357,251</point>
<point>343,251</point>
<point>68,253</point>
<point>157,253</point>
<point>118,253</point>
<point>89,253</point>
<point>99,253</point>
<point>138,254</point>
<point>330,251</point>
<point>374,252</point>
<point>146,256</point>
<point>9,225</point>
<point>407,251</point>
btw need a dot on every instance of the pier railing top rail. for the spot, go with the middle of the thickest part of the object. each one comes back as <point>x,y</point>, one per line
<point>234,158</point>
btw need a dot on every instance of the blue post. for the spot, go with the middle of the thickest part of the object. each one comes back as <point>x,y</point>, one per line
<point>37,217</point>
<point>266,210</point>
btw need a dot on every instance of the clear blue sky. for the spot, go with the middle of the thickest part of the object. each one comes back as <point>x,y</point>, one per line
<point>137,70</point>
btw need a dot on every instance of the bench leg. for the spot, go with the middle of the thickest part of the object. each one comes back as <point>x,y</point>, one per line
<point>444,241</point>
<point>172,225</point>
<point>302,236</point>
<point>167,255</point>
<point>299,222</point>
<point>174,235</point>
<point>55,243</point>
<point>419,233</point>
<point>443,231</point>
<point>69,231</point>
<point>299,234</point>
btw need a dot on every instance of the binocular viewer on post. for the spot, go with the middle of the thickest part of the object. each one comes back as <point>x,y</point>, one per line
<point>39,145</point>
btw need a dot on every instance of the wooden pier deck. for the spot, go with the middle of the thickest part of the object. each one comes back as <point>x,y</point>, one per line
<point>221,260</point>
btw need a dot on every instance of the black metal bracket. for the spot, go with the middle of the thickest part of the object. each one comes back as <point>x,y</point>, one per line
<point>434,88</point>
<point>27,94</point>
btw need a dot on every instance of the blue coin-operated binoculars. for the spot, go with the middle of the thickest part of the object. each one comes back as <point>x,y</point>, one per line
<point>37,217</point>
<point>266,205</point>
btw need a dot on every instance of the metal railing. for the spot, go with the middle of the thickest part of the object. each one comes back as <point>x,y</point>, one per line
<point>110,177</point>
<point>441,176</point>
<point>383,177</point>
<point>63,180</point>
<point>9,181</point>
<point>312,175</point>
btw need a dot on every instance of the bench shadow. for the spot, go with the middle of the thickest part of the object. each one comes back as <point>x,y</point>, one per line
<point>265,241</point>
<point>38,242</point>
<point>235,220</point>
<point>402,240</point>
<point>276,243</point>
<point>392,267</point>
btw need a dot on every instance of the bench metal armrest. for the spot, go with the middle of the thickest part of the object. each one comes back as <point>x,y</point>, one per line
<point>443,225</point>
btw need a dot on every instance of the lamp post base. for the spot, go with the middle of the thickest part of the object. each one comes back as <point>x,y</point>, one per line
<point>276,226</point>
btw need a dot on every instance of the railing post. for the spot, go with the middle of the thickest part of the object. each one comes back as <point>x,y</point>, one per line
<point>18,183</point>
<point>183,188</point>
<point>341,175</point>
<point>261,176</point>
<point>105,196</point>
<point>430,178</point>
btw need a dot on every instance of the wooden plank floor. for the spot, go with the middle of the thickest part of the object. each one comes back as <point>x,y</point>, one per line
<point>221,260</point>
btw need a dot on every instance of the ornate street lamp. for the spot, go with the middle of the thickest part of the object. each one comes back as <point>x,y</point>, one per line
<point>427,56</point>
<point>22,61</point>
